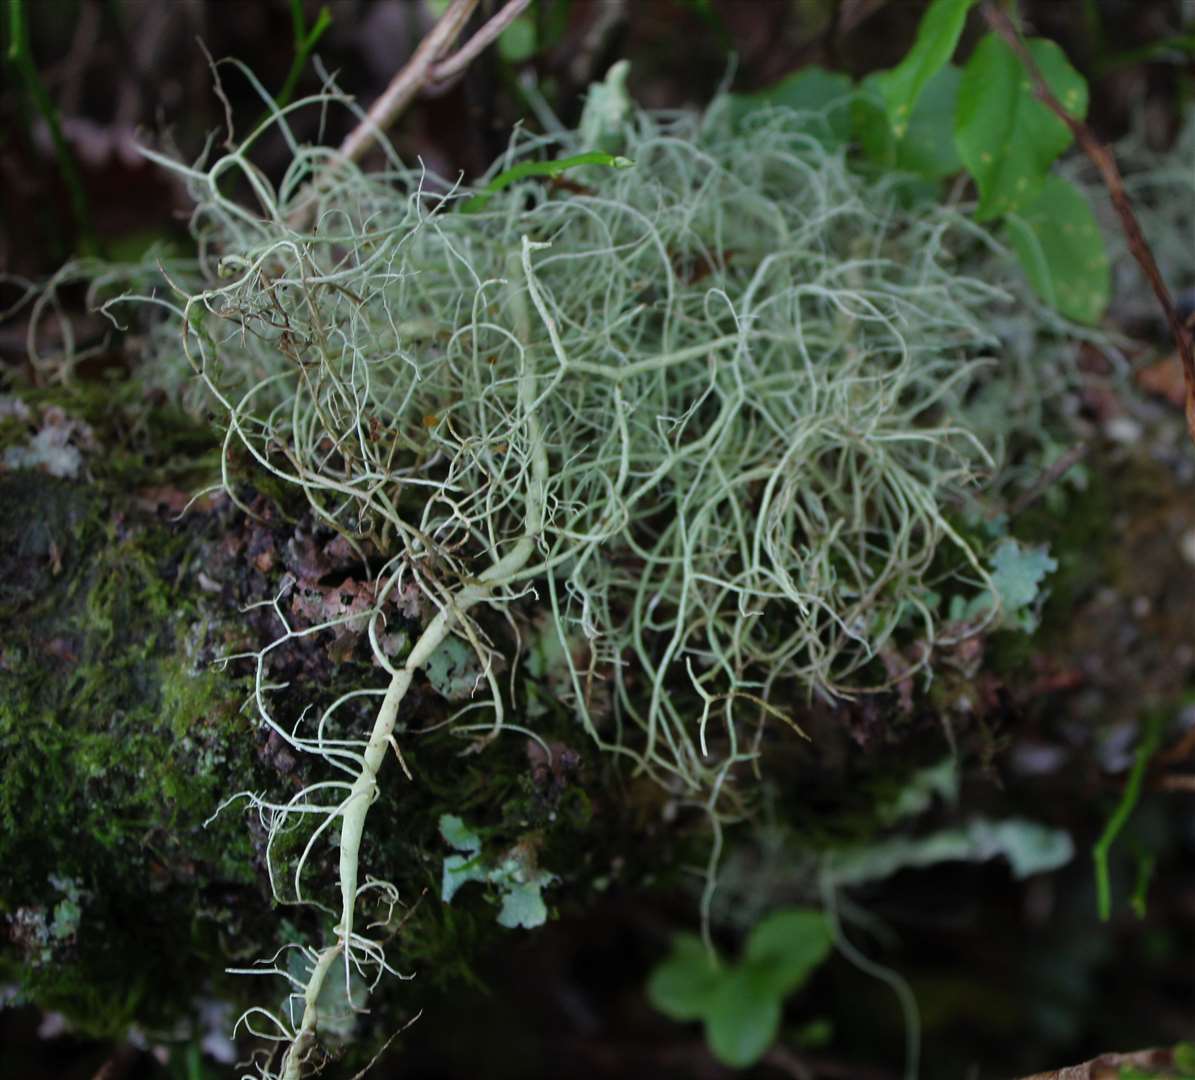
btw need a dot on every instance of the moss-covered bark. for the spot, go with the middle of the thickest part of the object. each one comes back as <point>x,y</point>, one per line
<point>120,736</point>
<point>116,743</point>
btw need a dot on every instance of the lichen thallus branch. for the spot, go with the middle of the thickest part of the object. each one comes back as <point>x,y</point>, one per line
<point>353,809</point>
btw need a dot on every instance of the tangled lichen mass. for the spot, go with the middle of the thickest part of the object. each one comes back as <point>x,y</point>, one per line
<point>706,410</point>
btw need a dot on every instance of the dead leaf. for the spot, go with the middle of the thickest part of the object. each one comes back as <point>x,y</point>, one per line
<point>1164,379</point>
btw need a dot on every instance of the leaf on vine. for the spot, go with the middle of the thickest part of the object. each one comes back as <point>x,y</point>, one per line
<point>922,150</point>
<point>1006,138</point>
<point>1061,250</point>
<point>937,37</point>
<point>812,89</point>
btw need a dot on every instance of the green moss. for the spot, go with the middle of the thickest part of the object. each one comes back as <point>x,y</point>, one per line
<point>140,441</point>
<point>114,749</point>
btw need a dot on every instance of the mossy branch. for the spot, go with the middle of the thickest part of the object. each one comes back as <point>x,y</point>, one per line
<point>733,478</point>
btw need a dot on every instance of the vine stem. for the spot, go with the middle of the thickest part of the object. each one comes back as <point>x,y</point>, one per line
<point>364,791</point>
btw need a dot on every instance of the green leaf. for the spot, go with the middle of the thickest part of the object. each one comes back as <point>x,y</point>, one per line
<point>923,150</point>
<point>454,670</point>
<point>1029,848</point>
<point>1017,574</point>
<point>812,89</point>
<point>520,882</point>
<point>539,168</point>
<point>686,984</point>
<point>741,1004</point>
<point>1062,251</point>
<point>743,1020</point>
<point>460,870</point>
<point>608,106</point>
<point>785,947</point>
<point>1019,571</point>
<point>937,36</point>
<point>918,792</point>
<point>926,149</point>
<point>1006,138</point>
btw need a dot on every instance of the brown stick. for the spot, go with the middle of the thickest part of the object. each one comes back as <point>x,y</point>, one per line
<point>1101,157</point>
<point>429,68</point>
<point>415,74</point>
<point>446,71</point>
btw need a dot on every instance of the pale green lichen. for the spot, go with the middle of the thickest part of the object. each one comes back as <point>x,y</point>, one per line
<point>712,410</point>
<point>514,875</point>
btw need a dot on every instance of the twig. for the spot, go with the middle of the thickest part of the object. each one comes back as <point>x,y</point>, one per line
<point>425,70</point>
<point>1110,1064</point>
<point>1101,157</point>
<point>1184,782</point>
<point>446,71</point>
<point>416,74</point>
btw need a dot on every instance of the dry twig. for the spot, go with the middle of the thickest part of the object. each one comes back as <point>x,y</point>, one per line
<point>428,70</point>
<point>429,66</point>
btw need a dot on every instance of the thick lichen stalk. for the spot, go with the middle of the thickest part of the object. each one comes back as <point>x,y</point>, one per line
<point>364,790</point>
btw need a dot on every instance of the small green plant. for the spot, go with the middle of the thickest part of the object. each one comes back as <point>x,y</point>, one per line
<point>1151,741</point>
<point>741,1003</point>
<point>1003,137</point>
<point>1017,575</point>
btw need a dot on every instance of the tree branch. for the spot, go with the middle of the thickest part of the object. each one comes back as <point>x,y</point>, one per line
<point>413,77</point>
<point>446,72</point>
